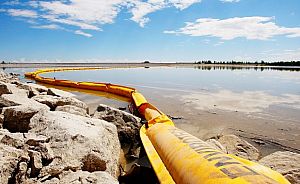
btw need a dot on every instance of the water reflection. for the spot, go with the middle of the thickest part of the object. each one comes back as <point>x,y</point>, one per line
<point>256,68</point>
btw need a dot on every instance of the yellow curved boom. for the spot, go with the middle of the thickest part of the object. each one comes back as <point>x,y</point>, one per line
<point>176,156</point>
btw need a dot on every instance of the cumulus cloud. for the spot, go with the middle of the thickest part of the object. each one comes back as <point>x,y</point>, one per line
<point>79,32</point>
<point>252,28</point>
<point>92,14</point>
<point>22,13</point>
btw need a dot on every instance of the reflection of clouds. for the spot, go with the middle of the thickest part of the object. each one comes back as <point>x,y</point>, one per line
<point>248,101</point>
<point>280,75</point>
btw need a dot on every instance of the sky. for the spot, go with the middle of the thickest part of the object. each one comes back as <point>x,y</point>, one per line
<point>154,30</point>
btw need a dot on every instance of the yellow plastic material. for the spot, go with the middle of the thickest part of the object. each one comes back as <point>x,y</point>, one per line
<point>176,156</point>
<point>190,160</point>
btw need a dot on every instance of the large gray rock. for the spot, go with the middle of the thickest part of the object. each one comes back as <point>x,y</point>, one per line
<point>60,93</point>
<point>7,100</point>
<point>16,118</point>
<point>285,162</point>
<point>33,89</point>
<point>236,146</point>
<point>7,88</point>
<point>8,78</point>
<point>80,177</point>
<point>54,101</point>
<point>10,158</point>
<point>77,142</point>
<point>73,110</point>
<point>127,124</point>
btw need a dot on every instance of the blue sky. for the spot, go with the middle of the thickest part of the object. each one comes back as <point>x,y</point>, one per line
<point>155,30</point>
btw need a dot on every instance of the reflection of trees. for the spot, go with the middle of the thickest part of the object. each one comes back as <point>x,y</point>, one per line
<point>240,65</point>
<point>261,68</point>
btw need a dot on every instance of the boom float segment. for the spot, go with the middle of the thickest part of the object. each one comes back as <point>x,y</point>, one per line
<point>176,156</point>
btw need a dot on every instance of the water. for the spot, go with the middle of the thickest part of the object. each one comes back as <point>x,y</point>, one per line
<point>259,102</point>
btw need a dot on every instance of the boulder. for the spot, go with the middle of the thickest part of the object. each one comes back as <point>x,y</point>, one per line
<point>79,177</point>
<point>77,142</point>
<point>127,124</point>
<point>35,163</point>
<point>1,120</point>
<point>16,118</point>
<point>8,78</point>
<point>285,162</point>
<point>7,100</point>
<point>12,139</point>
<point>7,88</point>
<point>59,93</point>
<point>73,110</point>
<point>236,146</point>
<point>10,158</point>
<point>34,89</point>
<point>54,101</point>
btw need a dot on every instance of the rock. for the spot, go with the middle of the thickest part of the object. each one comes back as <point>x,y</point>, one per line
<point>216,144</point>
<point>7,88</point>
<point>1,120</point>
<point>79,177</point>
<point>127,124</point>
<point>7,100</point>
<point>54,101</point>
<point>35,163</point>
<point>34,89</point>
<point>10,157</point>
<point>73,110</point>
<point>16,118</point>
<point>78,141</point>
<point>12,139</point>
<point>59,93</point>
<point>285,162</point>
<point>21,175</point>
<point>236,146</point>
<point>8,78</point>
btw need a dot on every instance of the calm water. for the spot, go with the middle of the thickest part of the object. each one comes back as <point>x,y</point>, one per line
<point>263,103</point>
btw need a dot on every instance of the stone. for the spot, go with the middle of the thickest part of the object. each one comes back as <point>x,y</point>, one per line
<point>59,93</point>
<point>216,144</point>
<point>76,141</point>
<point>80,177</point>
<point>54,101</point>
<point>12,139</point>
<point>21,175</point>
<point>35,163</point>
<point>285,162</point>
<point>16,118</point>
<point>73,110</point>
<point>236,146</point>
<point>1,120</point>
<point>7,88</point>
<point>127,124</point>
<point>7,100</point>
<point>8,78</point>
<point>34,89</point>
<point>9,160</point>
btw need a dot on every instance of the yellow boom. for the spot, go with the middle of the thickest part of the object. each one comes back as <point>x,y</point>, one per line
<point>176,156</point>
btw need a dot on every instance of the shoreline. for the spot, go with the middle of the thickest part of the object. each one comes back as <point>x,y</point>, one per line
<point>130,65</point>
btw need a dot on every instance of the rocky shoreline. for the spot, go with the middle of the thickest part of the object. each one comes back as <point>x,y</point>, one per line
<point>49,136</point>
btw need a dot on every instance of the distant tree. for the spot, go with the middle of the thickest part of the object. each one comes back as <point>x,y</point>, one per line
<point>3,62</point>
<point>146,61</point>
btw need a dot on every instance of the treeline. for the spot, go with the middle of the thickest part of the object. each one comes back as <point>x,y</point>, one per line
<point>260,63</point>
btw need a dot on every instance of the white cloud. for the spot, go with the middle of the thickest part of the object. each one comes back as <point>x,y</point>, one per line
<point>230,1</point>
<point>49,26</point>
<point>79,32</point>
<point>11,3</point>
<point>22,13</point>
<point>252,28</point>
<point>92,14</point>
